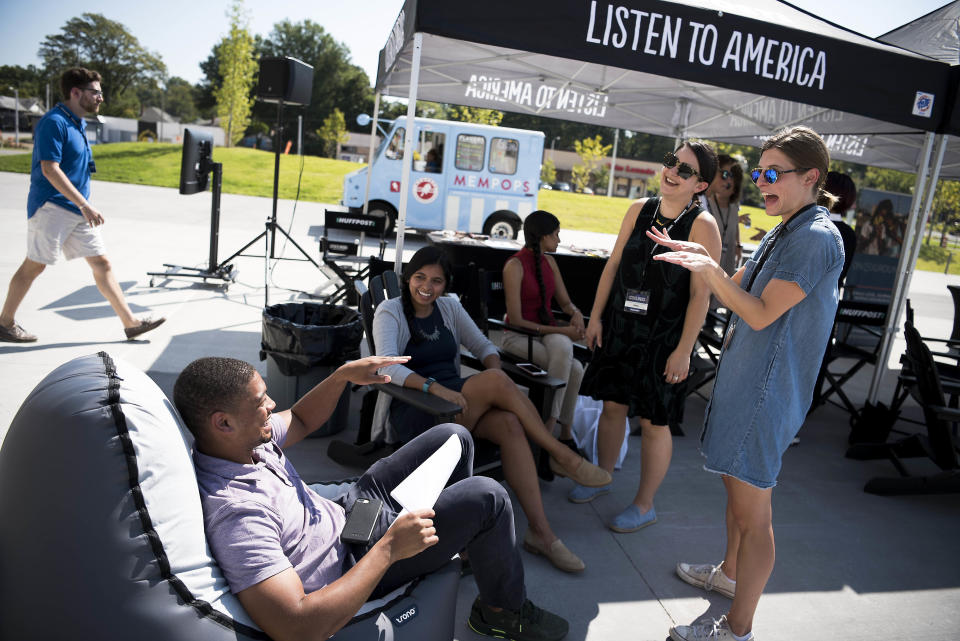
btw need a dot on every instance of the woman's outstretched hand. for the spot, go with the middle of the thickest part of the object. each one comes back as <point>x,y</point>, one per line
<point>663,238</point>
<point>692,256</point>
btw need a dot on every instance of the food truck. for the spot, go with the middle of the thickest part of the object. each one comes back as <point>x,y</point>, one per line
<point>464,176</point>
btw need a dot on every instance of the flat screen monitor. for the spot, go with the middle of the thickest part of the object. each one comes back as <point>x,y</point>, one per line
<point>196,162</point>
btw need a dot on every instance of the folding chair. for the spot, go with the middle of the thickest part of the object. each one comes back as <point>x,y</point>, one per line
<point>949,373</point>
<point>857,335</point>
<point>486,305</point>
<point>365,451</point>
<point>937,444</point>
<point>347,259</point>
<point>706,356</point>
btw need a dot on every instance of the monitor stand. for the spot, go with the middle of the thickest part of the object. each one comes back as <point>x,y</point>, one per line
<point>224,272</point>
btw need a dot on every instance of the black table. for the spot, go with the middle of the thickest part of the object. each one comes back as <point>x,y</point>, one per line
<point>581,269</point>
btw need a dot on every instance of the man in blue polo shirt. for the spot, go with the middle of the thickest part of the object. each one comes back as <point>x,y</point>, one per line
<point>60,219</point>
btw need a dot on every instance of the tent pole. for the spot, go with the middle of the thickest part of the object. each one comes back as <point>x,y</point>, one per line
<point>373,146</point>
<point>681,119</point>
<point>408,150</point>
<point>613,162</point>
<point>908,255</point>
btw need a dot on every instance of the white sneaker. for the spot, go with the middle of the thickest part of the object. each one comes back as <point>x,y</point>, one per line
<point>707,576</point>
<point>706,630</point>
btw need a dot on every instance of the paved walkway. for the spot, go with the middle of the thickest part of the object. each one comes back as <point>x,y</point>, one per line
<point>850,566</point>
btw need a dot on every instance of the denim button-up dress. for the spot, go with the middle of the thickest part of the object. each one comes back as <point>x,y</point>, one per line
<point>765,378</point>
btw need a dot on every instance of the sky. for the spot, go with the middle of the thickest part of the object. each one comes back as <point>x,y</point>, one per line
<point>183,32</point>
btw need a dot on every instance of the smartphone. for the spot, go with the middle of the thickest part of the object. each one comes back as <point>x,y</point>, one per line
<point>533,370</point>
<point>360,521</point>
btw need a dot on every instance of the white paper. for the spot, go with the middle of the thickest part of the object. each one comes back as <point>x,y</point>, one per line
<point>421,489</point>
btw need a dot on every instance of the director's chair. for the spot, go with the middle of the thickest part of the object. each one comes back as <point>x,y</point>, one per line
<point>346,258</point>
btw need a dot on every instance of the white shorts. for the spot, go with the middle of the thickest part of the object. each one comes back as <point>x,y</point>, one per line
<point>54,230</point>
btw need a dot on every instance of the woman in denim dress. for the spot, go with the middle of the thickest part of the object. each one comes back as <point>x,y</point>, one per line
<point>784,301</point>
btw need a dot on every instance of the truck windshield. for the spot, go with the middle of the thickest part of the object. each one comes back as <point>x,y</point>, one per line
<point>395,146</point>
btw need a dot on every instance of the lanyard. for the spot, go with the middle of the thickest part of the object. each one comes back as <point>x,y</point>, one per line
<point>667,228</point>
<point>781,230</point>
<point>69,115</point>
<point>91,165</point>
<point>725,219</point>
<point>765,254</point>
<point>778,232</point>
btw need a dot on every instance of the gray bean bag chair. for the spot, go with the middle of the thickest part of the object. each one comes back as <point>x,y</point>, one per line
<point>101,530</point>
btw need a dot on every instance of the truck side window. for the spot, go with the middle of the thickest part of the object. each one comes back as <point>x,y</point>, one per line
<point>503,155</point>
<point>470,150</point>
<point>395,148</point>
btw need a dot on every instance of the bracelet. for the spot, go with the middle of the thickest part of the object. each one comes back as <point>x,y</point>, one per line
<point>427,383</point>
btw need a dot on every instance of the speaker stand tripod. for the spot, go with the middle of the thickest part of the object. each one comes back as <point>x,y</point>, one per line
<point>223,271</point>
<point>271,227</point>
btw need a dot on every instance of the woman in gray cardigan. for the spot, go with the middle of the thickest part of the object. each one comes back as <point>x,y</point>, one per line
<point>430,328</point>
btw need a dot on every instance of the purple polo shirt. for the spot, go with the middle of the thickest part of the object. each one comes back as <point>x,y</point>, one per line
<point>261,519</point>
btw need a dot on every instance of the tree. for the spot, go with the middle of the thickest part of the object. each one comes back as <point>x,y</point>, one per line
<point>237,68</point>
<point>333,133</point>
<point>337,82</point>
<point>474,114</point>
<point>29,81</point>
<point>889,180</point>
<point>548,172</point>
<point>591,152</point>
<point>105,46</point>
<point>179,100</point>
<point>559,134</point>
<point>600,178</point>
<point>946,210</point>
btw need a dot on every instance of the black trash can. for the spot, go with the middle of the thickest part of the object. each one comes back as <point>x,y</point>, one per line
<point>303,343</point>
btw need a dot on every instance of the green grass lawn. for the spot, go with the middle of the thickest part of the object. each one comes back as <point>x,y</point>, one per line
<point>245,171</point>
<point>250,172</point>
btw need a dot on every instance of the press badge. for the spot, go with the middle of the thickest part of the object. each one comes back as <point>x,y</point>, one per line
<point>636,302</point>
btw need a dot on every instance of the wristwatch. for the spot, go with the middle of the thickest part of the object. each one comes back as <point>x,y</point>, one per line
<point>427,383</point>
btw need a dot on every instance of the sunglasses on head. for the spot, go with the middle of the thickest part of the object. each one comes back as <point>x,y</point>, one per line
<point>771,175</point>
<point>683,169</point>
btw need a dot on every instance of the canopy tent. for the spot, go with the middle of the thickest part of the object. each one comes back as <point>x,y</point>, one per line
<point>935,35</point>
<point>718,69</point>
<point>728,70</point>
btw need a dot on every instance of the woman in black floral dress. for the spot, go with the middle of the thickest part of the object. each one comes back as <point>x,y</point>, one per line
<point>644,325</point>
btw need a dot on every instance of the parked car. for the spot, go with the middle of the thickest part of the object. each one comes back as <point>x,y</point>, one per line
<point>562,186</point>
<point>546,186</point>
<point>587,190</point>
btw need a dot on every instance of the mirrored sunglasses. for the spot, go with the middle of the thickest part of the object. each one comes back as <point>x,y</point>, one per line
<point>725,174</point>
<point>771,175</point>
<point>684,170</point>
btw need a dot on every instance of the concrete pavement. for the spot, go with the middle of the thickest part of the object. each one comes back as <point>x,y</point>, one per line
<point>850,566</point>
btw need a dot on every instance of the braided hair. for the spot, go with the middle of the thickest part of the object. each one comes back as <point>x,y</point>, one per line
<point>535,226</point>
<point>428,255</point>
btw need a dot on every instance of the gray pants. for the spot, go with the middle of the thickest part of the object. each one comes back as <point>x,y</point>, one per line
<point>472,513</point>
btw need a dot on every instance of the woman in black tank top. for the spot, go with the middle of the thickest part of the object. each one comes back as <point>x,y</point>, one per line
<point>644,325</point>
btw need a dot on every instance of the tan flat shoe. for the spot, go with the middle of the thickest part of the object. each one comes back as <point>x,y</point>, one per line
<point>558,553</point>
<point>586,474</point>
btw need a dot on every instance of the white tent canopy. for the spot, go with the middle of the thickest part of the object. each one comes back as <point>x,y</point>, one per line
<point>730,70</point>
<point>717,69</point>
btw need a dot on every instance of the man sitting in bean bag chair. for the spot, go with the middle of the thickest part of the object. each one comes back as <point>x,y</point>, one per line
<point>278,543</point>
